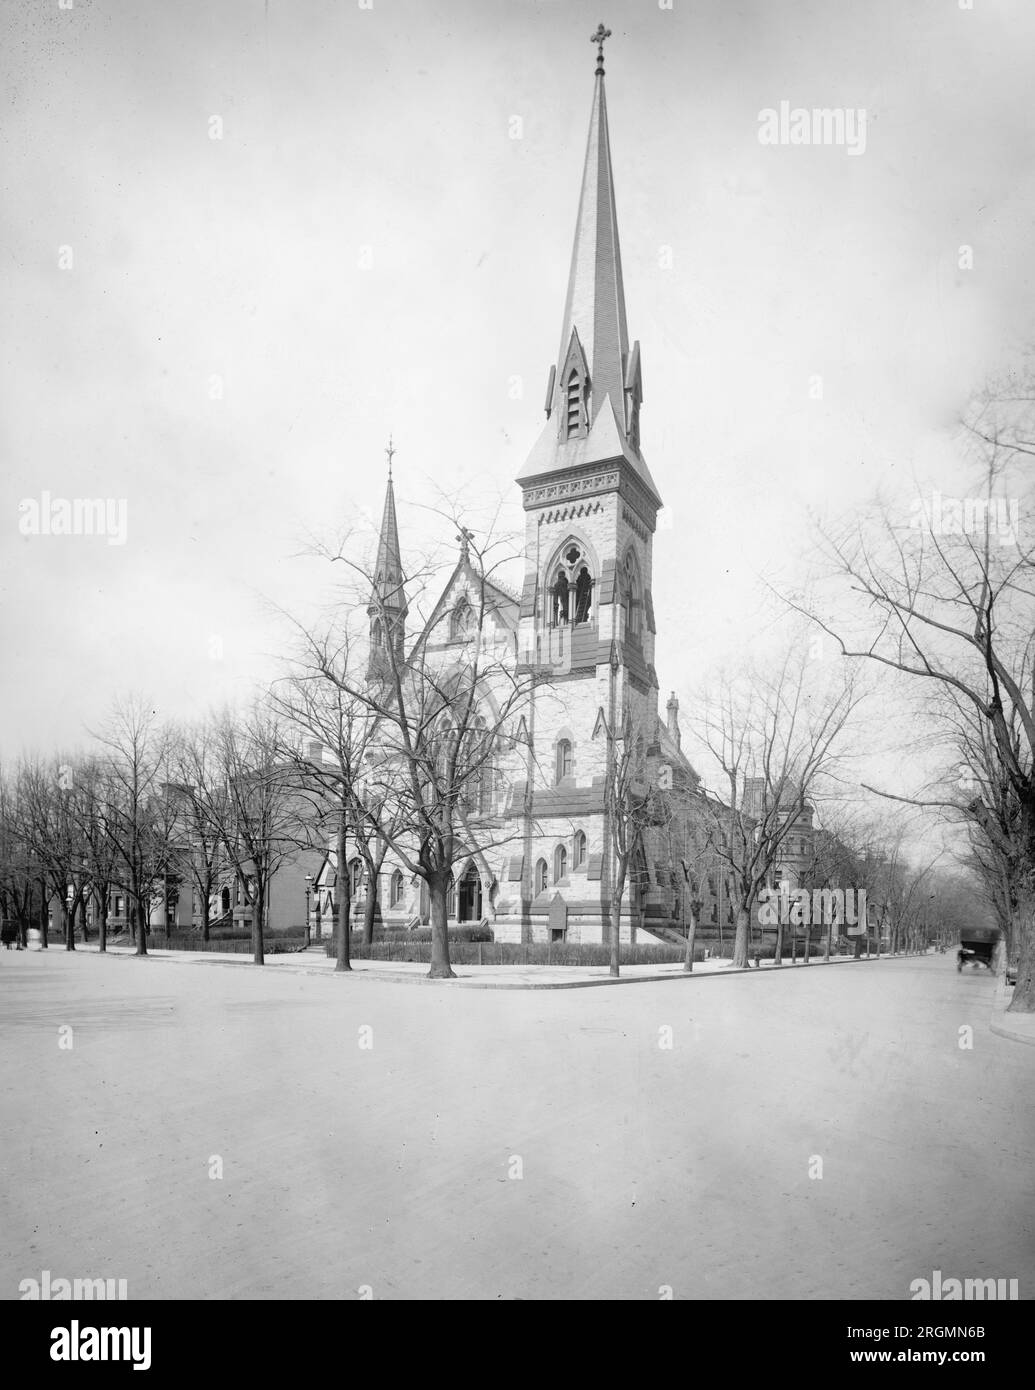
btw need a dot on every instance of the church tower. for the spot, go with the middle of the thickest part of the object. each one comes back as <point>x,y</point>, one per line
<point>587,618</point>
<point>387,608</point>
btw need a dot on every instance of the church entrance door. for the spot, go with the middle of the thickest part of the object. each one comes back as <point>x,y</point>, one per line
<point>470,896</point>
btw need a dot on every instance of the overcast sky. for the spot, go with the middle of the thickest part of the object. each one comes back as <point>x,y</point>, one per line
<point>369,249</point>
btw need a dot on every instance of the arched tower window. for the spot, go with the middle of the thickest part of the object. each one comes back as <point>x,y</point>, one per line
<point>629,589</point>
<point>583,595</point>
<point>579,857</point>
<point>571,587</point>
<point>396,894</point>
<point>560,863</point>
<point>377,633</point>
<point>541,879</point>
<point>564,759</point>
<point>559,594</point>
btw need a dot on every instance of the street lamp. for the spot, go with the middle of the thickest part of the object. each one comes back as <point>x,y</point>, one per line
<point>308,892</point>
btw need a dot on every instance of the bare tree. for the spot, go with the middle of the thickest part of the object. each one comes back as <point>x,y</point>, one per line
<point>774,741</point>
<point>951,606</point>
<point>262,812</point>
<point>441,721</point>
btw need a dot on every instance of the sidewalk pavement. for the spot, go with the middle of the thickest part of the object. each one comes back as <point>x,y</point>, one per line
<point>1017,1027</point>
<point>313,962</point>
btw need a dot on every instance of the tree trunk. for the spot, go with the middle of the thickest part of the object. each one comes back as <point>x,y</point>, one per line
<point>1023,1001</point>
<point>691,936</point>
<point>370,909</point>
<point>740,944</point>
<point>615,936</point>
<point>44,919</point>
<point>141,920</point>
<point>205,912</point>
<point>778,950</point>
<point>258,908</point>
<point>441,969</point>
<point>102,934</point>
<point>343,961</point>
<point>68,919</point>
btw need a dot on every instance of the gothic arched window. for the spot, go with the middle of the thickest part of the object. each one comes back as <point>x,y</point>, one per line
<point>560,863</point>
<point>541,879</point>
<point>396,892</point>
<point>583,595</point>
<point>356,872</point>
<point>629,587</point>
<point>461,620</point>
<point>571,587</point>
<point>579,857</point>
<point>377,633</point>
<point>560,598</point>
<point>564,760</point>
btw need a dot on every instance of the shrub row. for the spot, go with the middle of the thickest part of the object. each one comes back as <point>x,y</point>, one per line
<point>509,953</point>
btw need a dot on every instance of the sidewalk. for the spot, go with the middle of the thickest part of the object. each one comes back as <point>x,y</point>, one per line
<point>1016,1027</point>
<point>470,976</point>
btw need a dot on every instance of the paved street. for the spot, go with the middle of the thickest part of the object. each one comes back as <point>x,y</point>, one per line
<point>508,1144</point>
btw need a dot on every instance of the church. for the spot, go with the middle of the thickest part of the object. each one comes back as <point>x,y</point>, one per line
<point>583,625</point>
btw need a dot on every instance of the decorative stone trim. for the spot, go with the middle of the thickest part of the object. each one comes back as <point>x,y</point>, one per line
<point>571,487</point>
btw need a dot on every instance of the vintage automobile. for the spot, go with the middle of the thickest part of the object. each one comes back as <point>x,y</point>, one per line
<point>977,947</point>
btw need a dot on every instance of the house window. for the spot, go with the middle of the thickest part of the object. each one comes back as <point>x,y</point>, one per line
<point>579,857</point>
<point>396,894</point>
<point>541,877</point>
<point>560,863</point>
<point>563,759</point>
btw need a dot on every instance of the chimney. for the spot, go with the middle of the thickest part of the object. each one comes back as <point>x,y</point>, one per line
<point>672,709</point>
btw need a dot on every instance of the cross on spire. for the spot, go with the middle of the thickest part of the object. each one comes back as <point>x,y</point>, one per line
<point>464,537</point>
<point>598,38</point>
<point>390,452</point>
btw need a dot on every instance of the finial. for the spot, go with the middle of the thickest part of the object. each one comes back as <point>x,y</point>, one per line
<point>391,454</point>
<point>464,536</point>
<point>598,38</point>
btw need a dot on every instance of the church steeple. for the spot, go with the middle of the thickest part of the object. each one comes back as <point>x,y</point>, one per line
<point>387,608</point>
<point>595,390</point>
<point>594,309</point>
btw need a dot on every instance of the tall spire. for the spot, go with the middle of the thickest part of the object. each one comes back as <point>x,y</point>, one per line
<point>595,303</point>
<point>595,389</point>
<point>387,608</point>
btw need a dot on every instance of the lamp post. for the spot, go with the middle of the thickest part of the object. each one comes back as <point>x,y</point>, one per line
<point>308,893</point>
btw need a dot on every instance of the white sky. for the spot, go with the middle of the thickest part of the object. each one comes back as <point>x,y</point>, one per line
<point>384,135</point>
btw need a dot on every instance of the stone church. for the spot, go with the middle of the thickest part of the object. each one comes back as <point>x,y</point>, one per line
<point>584,623</point>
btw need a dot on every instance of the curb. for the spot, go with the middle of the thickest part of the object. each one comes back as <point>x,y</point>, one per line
<point>472,982</point>
<point>999,1026</point>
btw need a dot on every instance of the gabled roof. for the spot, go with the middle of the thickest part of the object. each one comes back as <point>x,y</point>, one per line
<point>496,598</point>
